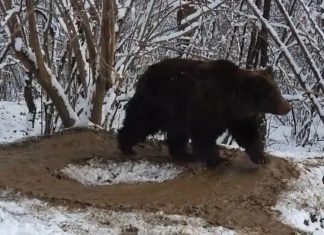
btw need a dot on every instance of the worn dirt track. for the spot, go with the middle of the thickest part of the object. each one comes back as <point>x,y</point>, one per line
<point>237,196</point>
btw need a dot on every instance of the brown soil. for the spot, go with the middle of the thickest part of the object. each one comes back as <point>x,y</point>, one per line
<point>237,196</point>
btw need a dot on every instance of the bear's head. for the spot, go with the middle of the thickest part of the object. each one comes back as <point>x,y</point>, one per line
<point>264,94</point>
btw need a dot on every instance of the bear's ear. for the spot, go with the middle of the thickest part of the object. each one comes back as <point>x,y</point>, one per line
<point>269,70</point>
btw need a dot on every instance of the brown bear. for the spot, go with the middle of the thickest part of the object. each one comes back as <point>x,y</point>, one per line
<point>199,100</point>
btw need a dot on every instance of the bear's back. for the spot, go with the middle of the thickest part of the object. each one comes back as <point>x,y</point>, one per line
<point>180,76</point>
<point>177,68</point>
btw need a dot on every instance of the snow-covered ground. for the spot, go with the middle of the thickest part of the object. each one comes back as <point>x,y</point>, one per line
<point>14,123</point>
<point>302,206</point>
<point>33,217</point>
<point>97,172</point>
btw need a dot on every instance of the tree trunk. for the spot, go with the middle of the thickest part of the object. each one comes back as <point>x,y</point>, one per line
<point>264,35</point>
<point>103,80</point>
<point>263,38</point>
<point>259,45</point>
<point>76,47</point>
<point>37,64</point>
<point>44,76</point>
<point>28,95</point>
<point>253,43</point>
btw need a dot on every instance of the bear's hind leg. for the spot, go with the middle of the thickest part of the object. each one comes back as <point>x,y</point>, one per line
<point>204,147</point>
<point>247,135</point>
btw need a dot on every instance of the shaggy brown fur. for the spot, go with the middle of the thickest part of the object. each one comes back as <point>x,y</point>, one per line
<point>200,100</point>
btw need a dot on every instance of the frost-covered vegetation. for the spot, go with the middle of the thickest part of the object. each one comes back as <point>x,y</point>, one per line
<point>83,66</point>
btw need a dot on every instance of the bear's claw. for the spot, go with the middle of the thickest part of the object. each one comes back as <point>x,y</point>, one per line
<point>261,160</point>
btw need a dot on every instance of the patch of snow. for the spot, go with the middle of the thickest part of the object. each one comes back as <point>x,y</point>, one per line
<point>34,217</point>
<point>14,122</point>
<point>303,205</point>
<point>97,172</point>
<point>18,44</point>
<point>121,12</point>
<point>294,153</point>
<point>282,143</point>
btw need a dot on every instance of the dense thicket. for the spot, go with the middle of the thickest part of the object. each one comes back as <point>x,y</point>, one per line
<point>83,57</point>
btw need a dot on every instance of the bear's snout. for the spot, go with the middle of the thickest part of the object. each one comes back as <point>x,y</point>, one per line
<point>284,107</point>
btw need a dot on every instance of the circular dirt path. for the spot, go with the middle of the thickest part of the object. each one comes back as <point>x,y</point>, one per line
<point>238,196</point>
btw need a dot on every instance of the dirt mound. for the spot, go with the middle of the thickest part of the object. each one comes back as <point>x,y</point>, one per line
<point>237,196</point>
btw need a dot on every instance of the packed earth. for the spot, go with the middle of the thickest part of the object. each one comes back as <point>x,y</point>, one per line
<point>77,182</point>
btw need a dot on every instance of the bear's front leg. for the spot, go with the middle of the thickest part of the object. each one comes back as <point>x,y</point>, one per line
<point>257,155</point>
<point>246,132</point>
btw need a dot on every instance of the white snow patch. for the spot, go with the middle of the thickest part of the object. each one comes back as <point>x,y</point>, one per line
<point>303,206</point>
<point>18,44</point>
<point>97,172</point>
<point>34,217</point>
<point>14,122</point>
<point>282,143</point>
<point>295,153</point>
